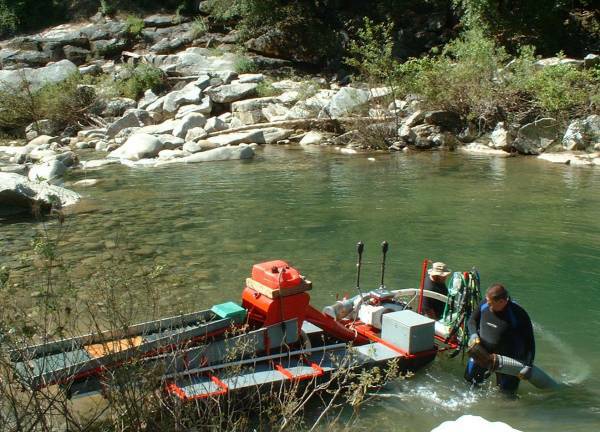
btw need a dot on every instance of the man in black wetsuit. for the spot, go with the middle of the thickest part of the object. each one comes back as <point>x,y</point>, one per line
<point>436,281</point>
<point>501,327</point>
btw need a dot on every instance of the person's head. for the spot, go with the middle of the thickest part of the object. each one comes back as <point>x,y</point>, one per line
<point>496,297</point>
<point>439,272</point>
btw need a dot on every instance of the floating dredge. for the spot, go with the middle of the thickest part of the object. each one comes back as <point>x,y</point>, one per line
<point>274,336</point>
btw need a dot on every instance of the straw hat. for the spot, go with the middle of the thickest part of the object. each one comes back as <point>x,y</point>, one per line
<point>439,269</point>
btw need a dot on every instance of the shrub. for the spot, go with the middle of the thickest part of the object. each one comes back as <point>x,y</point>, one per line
<point>67,104</point>
<point>141,78</point>
<point>199,28</point>
<point>135,25</point>
<point>8,19</point>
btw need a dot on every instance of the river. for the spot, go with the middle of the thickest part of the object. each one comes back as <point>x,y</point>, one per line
<point>532,225</point>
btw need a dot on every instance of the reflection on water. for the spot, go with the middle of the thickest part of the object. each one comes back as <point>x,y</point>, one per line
<point>532,225</point>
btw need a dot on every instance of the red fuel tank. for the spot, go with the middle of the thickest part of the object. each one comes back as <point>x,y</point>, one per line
<point>276,274</point>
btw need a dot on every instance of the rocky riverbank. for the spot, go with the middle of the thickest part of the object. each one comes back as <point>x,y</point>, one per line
<point>211,111</point>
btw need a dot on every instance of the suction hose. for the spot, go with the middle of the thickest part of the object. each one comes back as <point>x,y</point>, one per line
<point>510,366</point>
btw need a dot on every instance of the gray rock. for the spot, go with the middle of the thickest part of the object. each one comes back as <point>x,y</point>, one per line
<point>215,124</point>
<point>250,78</point>
<point>93,69</point>
<point>147,99</point>
<point>18,191</point>
<point>346,101</point>
<point>116,107</point>
<point>167,46</point>
<point>275,112</point>
<point>195,133</point>
<point>425,136</point>
<point>501,137</point>
<point>51,74</point>
<point>205,107</point>
<point>76,54</point>
<point>251,136</point>
<point>193,147</point>
<point>555,61</point>
<point>137,147</point>
<point>134,118</point>
<point>574,136</point>
<point>221,154</point>
<point>591,60</point>
<point>312,138</point>
<point>108,47</point>
<point>534,138</point>
<point>171,154</point>
<point>197,61</point>
<point>190,94</point>
<point>41,140</point>
<point>18,58</point>
<point>51,171</point>
<point>170,142</point>
<point>416,118</point>
<point>193,120</point>
<point>161,20</point>
<point>231,92</point>
<point>165,127</point>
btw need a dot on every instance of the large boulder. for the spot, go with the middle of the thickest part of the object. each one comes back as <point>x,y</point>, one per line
<point>231,92</point>
<point>534,138</point>
<point>582,134</point>
<point>346,101</point>
<point>20,192</point>
<point>138,146</point>
<point>37,78</point>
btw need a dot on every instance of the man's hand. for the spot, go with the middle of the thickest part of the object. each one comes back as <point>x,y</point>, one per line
<point>473,340</point>
<point>525,373</point>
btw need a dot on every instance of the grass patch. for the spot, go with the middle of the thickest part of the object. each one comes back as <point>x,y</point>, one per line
<point>266,89</point>
<point>199,28</point>
<point>243,64</point>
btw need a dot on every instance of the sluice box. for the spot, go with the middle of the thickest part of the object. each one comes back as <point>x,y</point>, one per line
<point>408,331</point>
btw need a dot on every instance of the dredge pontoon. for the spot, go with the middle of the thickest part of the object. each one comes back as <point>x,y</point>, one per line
<point>275,335</point>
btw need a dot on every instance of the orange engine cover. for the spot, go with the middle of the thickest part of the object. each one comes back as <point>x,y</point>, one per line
<point>275,294</point>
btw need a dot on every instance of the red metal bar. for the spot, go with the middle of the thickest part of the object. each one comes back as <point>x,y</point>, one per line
<point>318,371</point>
<point>422,285</point>
<point>177,391</point>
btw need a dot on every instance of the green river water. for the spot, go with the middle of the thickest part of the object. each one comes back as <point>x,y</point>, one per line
<point>532,225</point>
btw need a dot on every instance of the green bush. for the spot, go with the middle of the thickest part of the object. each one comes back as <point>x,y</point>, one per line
<point>141,78</point>
<point>266,89</point>
<point>135,25</point>
<point>8,19</point>
<point>66,104</point>
<point>243,64</point>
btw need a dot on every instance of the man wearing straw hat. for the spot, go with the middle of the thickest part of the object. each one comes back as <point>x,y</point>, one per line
<point>436,281</point>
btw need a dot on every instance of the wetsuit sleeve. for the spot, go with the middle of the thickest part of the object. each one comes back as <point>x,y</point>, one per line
<point>473,324</point>
<point>526,330</point>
